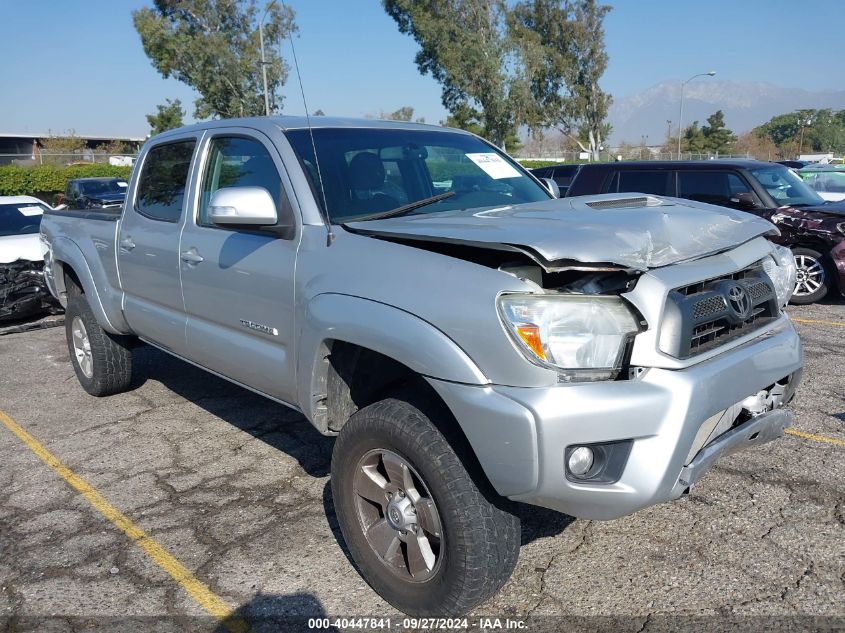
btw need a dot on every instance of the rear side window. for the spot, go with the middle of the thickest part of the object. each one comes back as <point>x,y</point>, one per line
<point>161,186</point>
<point>235,161</point>
<point>653,182</point>
<point>712,187</point>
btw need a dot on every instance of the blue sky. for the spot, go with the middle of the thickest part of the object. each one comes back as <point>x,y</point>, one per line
<point>79,63</point>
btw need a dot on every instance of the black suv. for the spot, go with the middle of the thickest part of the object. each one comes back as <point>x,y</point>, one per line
<point>815,230</point>
<point>561,174</point>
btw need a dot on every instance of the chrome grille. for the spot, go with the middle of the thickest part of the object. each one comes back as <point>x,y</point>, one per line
<point>701,316</point>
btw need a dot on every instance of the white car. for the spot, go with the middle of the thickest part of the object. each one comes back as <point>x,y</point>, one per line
<point>827,180</point>
<point>22,289</point>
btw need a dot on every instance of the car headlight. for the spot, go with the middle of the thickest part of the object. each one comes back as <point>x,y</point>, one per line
<point>841,227</point>
<point>781,269</point>
<point>583,337</point>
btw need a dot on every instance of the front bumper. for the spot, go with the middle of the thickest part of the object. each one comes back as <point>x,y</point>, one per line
<point>520,434</point>
<point>837,256</point>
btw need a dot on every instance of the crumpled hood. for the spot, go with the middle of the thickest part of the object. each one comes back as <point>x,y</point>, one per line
<point>644,232</point>
<point>15,247</point>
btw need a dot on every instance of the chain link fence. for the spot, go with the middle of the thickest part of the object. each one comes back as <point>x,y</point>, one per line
<point>82,157</point>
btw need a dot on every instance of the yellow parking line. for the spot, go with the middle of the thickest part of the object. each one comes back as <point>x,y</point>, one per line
<point>813,436</point>
<point>822,322</point>
<point>200,592</point>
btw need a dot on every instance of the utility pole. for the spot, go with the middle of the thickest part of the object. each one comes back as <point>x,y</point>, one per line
<point>681,112</point>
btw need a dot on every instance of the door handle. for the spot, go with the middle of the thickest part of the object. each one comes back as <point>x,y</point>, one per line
<point>192,257</point>
<point>126,244</point>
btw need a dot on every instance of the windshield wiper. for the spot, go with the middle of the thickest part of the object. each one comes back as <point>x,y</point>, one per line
<point>404,209</point>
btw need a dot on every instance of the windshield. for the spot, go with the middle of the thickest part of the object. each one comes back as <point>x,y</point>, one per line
<point>20,219</point>
<point>100,187</point>
<point>369,171</point>
<point>786,187</point>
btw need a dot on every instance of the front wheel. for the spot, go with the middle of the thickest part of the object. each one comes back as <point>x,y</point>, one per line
<point>417,524</point>
<point>813,278</point>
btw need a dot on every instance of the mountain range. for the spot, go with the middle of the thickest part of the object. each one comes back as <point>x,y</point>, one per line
<point>745,104</point>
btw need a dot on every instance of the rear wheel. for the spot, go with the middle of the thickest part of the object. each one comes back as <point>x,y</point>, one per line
<point>813,277</point>
<point>102,361</point>
<point>416,522</point>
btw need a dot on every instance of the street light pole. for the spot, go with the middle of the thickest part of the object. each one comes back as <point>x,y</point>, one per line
<point>264,61</point>
<point>681,111</point>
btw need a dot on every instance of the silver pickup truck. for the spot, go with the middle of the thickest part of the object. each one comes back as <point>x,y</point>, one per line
<point>472,340</point>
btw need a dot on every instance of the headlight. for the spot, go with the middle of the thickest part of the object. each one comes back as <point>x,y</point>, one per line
<point>583,337</point>
<point>780,268</point>
<point>841,227</point>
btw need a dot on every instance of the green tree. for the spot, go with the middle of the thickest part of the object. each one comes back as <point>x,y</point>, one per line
<point>405,113</point>
<point>562,43</point>
<point>693,139</point>
<point>822,131</point>
<point>167,117</point>
<point>213,46</point>
<point>466,47</point>
<point>717,138</point>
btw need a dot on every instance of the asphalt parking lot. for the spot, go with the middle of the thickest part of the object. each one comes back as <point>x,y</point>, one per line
<point>191,504</point>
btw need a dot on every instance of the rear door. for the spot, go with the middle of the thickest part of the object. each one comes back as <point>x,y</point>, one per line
<point>238,284</point>
<point>148,244</point>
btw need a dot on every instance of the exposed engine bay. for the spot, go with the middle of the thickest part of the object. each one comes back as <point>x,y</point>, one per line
<point>23,291</point>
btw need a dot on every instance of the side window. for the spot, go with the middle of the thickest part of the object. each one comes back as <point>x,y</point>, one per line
<point>712,187</point>
<point>235,161</point>
<point>161,186</point>
<point>641,181</point>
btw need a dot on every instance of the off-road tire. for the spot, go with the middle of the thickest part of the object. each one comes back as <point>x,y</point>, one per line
<point>111,356</point>
<point>817,261</point>
<point>481,537</point>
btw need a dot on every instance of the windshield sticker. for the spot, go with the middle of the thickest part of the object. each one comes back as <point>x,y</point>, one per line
<point>494,165</point>
<point>31,210</point>
<point>122,184</point>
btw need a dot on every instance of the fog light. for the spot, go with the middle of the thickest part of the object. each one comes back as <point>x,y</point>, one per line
<point>580,461</point>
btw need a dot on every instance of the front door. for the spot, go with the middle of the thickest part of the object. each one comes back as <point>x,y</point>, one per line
<point>148,245</point>
<point>238,284</point>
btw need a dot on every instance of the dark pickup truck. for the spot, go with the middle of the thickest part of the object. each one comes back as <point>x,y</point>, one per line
<point>95,193</point>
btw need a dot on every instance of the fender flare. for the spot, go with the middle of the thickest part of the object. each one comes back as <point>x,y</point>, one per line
<point>383,328</point>
<point>67,254</point>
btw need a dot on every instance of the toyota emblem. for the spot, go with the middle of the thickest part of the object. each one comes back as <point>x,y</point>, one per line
<point>739,301</point>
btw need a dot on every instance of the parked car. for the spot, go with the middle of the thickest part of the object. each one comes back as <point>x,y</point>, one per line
<point>95,193</point>
<point>23,292</point>
<point>826,180</point>
<point>814,230</point>
<point>471,340</point>
<point>561,174</point>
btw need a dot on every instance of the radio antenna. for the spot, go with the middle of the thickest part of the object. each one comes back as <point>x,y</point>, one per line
<point>329,234</point>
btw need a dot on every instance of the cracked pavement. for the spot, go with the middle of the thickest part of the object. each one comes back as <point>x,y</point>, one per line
<point>236,488</point>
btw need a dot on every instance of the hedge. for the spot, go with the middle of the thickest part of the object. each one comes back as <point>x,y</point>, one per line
<point>45,181</point>
<point>534,164</point>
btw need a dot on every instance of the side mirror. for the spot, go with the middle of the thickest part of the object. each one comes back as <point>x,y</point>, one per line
<point>551,185</point>
<point>745,200</point>
<point>242,206</point>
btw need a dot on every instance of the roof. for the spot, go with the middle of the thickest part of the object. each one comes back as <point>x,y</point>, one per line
<point>20,200</point>
<point>734,163</point>
<point>286,123</point>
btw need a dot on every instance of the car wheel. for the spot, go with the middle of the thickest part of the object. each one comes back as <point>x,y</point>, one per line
<point>102,362</point>
<point>416,522</point>
<point>813,278</point>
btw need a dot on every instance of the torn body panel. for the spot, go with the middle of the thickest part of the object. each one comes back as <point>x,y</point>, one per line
<point>23,291</point>
<point>602,231</point>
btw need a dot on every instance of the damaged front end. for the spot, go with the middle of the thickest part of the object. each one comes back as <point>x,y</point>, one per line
<point>23,291</point>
